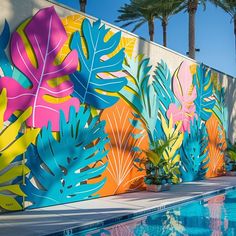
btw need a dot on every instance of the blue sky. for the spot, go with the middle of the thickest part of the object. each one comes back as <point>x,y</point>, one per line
<point>214,32</point>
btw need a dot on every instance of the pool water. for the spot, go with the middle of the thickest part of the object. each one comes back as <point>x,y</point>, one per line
<point>214,216</point>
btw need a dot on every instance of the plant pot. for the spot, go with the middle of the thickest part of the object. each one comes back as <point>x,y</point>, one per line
<point>231,173</point>
<point>158,188</point>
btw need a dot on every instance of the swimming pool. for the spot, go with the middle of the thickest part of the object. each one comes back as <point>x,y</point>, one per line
<point>212,216</point>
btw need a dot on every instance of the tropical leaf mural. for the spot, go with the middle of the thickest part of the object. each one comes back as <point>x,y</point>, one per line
<point>62,168</point>
<point>88,86</point>
<point>204,102</point>
<point>186,93</point>
<point>140,94</point>
<point>45,42</point>
<point>122,176</point>
<point>12,145</point>
<point>194,153</point>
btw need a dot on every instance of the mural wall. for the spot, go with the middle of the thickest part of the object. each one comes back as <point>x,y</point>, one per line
<point>79,106</point>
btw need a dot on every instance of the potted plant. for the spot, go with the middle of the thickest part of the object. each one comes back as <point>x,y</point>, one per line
<point>160,172</point>
<point>230,159</point>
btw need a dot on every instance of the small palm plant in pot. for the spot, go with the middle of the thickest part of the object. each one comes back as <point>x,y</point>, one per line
<point>160,172</point>
<point>230,159</point>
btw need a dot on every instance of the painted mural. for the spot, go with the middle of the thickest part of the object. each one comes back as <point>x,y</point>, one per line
<point>79,109</point>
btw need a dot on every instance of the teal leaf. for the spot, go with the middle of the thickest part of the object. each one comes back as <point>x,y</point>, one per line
<point>204,87</point>
<point>62,168</point>
<point>141,94</point>
<point>194,153</point>
<point>87,81</point>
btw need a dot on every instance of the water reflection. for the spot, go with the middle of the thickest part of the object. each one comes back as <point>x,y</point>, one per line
<point>214,216</point>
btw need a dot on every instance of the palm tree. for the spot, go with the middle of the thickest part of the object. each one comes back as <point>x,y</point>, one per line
<point>138,12</point>
<point>229,6</point>
<point>164,10</point>
<point>82,5</point>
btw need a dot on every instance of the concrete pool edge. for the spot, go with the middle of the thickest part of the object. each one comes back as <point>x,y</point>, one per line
<point>85,227</point>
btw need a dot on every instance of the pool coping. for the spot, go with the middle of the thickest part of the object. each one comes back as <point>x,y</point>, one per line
<point>86,227</point>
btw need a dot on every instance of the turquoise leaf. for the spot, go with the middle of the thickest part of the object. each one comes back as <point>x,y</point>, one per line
<point>162,85</point>
<point>204,87</point>
<point>89,87</point>
<point>62,168</point>
<point>194,153</point>
<point>141,95</point>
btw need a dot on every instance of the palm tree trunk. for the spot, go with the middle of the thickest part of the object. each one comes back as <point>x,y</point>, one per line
<point>192,9</point>
<point>151,28</point>
<point>83,5</point>
<point>164,29</point>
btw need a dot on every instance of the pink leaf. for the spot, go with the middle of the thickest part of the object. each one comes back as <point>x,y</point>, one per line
<point>186,93</point>
<point>46,36</point>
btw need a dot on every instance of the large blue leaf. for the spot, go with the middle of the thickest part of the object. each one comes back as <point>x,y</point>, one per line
<point>140,94</point>
<point>62,168</point>
<point>194,153</point>
<point>87,81</point>
<point>204,86</point>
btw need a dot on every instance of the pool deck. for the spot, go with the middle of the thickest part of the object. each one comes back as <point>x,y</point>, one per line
<point>54,220</point>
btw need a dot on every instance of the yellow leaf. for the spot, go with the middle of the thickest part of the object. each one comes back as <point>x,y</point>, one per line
<point>3,106</point>
<point>15,188</point>
<point>14,172</point>
<point>9,203</point>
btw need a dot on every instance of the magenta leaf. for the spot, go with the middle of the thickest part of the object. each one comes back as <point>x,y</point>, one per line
<point>46,36</point>
<point>186,93</point>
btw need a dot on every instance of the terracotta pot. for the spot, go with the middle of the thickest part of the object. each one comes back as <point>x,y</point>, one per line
<point>231,173</point>
<point>158,188</point>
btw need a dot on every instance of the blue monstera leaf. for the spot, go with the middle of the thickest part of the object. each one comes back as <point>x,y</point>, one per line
<point>194,153</point>
<point>62,168</point>
<point>90,86</point>
<point>204,104</point>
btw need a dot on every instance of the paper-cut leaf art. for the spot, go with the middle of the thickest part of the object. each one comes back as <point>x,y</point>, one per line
<point>204,104</point>
<point>122,176</point>
<point>46,36</point>
<point>5,65</point>
<point>194,153</point>
<point>11,146</point>
<point>185,92</point>
<point>171,154</point>
<point>88,86</point>
<point>62,168</point>
<point>216,147</point>
<point>140,94</point>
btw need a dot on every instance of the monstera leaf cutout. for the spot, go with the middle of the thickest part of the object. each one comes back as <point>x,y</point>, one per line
<point>5,65</point>
<point>204,87</point>
<point>88,87</point>
<point>11,146</point>
<point>62,167</point>
<point>194,153</point>
<point>140,94</point>
<point>46,36</point>
<point>185,92</point>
